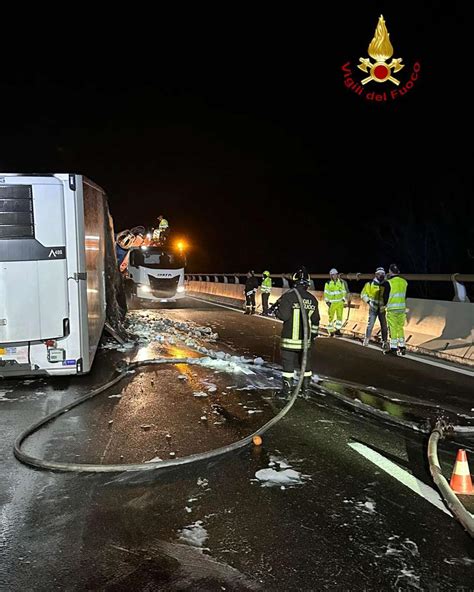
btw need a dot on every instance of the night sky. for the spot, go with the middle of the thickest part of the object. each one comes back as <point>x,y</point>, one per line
<point>236,125</point>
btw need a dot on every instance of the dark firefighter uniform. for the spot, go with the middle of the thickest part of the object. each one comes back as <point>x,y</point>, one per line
<point>251,287</point>
<point>287,309</point>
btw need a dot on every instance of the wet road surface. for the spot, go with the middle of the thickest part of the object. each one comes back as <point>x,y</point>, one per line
<point>341,524</point>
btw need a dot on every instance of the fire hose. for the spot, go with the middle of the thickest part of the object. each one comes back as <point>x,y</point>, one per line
<point>28,459</point>
<point>459,511</point>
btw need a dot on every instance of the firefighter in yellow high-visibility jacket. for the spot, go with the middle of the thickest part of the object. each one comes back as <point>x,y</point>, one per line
<point>395,301</point>
<point>266,290</point>
<point>160,233</point>
<point>372,294</point>
<point>335,296</point>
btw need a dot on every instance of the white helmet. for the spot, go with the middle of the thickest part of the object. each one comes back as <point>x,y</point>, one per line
<point>333,271</point>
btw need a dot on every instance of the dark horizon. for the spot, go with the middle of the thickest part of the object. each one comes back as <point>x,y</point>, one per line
<point>247,140</point>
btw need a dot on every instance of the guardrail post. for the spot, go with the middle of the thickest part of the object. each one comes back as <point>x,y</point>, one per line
<point>460,293</point>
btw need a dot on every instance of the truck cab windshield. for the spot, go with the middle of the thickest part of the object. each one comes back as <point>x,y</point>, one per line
<point>156,259</point>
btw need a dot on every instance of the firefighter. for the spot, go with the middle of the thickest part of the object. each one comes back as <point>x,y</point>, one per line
<point>395,301</point>
<point>251,287</point>
<point>287,309</point>
<point>372,294</point>
<point>160,233</point>
<point>335,296</point>
<point>265,289</point>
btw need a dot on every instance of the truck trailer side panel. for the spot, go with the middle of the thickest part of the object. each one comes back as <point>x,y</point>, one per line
<point>94,241</point>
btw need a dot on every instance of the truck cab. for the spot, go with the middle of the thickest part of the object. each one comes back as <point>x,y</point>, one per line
<point>155,273</point>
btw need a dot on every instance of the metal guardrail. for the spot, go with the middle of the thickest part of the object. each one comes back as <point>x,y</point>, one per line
<point>283,280</point>
<point>422,277</point>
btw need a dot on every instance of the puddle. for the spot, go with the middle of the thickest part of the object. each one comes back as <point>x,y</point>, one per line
<point>401,407</point>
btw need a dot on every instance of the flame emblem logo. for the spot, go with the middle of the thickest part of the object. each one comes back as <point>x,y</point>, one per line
<point>380,50</point>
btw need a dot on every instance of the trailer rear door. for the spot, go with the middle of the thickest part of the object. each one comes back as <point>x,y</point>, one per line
<point>33,272</point>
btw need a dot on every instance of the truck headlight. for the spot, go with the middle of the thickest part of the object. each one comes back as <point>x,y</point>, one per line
<point>180,289</point>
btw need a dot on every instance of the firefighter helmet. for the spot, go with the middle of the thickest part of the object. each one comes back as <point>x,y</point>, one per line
<point>301,277</point>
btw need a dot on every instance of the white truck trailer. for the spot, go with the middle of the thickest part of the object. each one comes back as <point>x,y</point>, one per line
<point>52,281</point>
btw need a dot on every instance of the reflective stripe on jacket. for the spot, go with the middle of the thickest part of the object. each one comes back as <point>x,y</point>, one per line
<point>266,285</point>
<point>287,309</point>
<point>335,291</point>
<point>373,292</point>
<point>397,296</point>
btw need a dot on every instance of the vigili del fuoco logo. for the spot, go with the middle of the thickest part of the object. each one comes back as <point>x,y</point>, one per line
<point>381,71</point>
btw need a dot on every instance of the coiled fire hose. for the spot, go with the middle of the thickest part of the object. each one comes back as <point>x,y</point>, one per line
<point>164,464</point>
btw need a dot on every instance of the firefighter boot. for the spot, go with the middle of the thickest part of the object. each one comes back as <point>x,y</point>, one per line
<point>306,386</point>
<point>287,388</point>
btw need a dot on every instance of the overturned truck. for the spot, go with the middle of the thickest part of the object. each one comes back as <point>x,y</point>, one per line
<point>58,274</point>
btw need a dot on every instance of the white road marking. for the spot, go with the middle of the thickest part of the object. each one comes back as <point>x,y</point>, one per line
<point>413,357</point>
<point>273,319</point>
<point>440,365</point>
<point>401,475</point>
